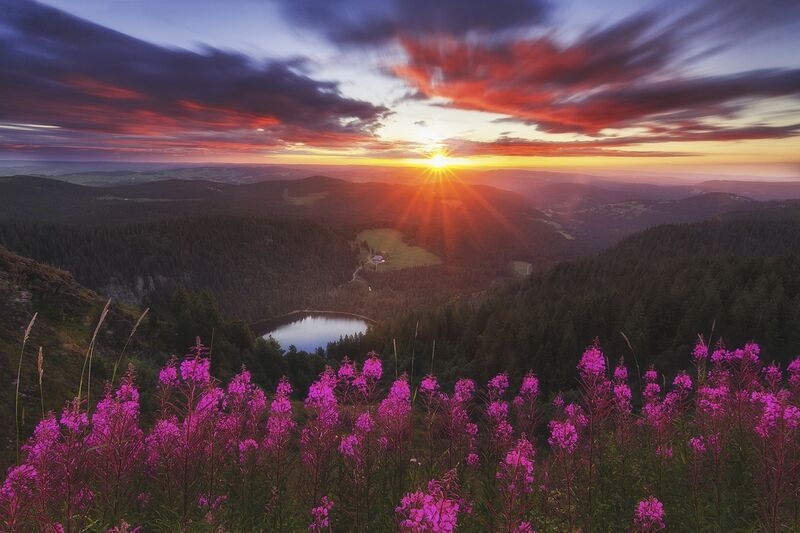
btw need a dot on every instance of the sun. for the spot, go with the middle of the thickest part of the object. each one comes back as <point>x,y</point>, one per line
<point>438,160</point>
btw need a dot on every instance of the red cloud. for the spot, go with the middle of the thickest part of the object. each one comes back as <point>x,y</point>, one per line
<point>624,76</point>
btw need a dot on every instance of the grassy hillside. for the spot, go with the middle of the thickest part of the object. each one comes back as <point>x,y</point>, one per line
<point>67,316</point>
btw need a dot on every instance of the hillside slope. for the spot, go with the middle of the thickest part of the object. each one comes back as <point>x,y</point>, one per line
<point>67,316</point>
<point>661,288</point>
<point>255,268</point>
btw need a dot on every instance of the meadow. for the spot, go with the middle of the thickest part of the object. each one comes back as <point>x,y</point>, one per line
<point>712,448</point>
<point>400,254</point>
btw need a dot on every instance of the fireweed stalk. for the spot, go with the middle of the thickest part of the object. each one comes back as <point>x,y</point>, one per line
<point>597,402</point>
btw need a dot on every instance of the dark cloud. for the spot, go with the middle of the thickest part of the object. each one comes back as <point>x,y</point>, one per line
<point>361,22</point>
<point>627,75</point>
<point>59,69</point>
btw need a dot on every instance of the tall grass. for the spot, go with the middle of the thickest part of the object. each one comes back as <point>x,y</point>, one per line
<point>25,337</point>
<point>87,361</point>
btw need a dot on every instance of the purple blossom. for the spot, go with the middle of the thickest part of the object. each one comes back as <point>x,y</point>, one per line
<point>497,385</point>
<point>372,368</point>
<point>530,386</point>
<point>700,351</point>
<point>649,515</point>
<point>697,445</point>
<point>683,383</point>
<point>516,469</point>
<point>168,375</point>
<point>794,374</point>
<point>196,370</point>
<point>464,390</point>
<point>429,384</point>
<point>592,363</point>
<point>433,511</point>
<point>321,515</point>
<point>563,435</point>
<point>620,372</point>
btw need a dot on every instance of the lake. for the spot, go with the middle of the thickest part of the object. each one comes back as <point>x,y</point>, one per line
<point>311,331</point>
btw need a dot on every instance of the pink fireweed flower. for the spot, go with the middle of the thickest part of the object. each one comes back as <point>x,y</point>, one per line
<point>525,403</point>
<point>497,410</point>
<point>649,515</point>
<point>576,415</point>
<point>794,374</point>
<point>697,445</point>
<point>321,515</point>
<point>394,414</point>
<point>530,387</point>
<point>712,400</point>
<point>196,370</point>
<point>15,496</point>
<point>773,376</point>
<point>433,511</point>
<point>497,413</point>
<point>621,372</point>
<point>523,527</point>
<point>563,436</point>
<point>364,423</point>
<point>347,370</point>
<point>464,389</point>
<point>791,417</point>
<point>74,419</point>
<point>45,438</point>
<point>720,355</point>
<point>700,351</point>
<point>652,392</point>
<point>622,398</point>
<point>775,413</point>
<point>429,384</point>
<point>115,441</point>
<point>592,363</point>
<point>279,423</point>
<point>651,376</point>
<point>247,450</point>
<point>516,469</point>
<point>316,439</point>
<point>682,384</point>
<point>372,368</point>
<point>497,385</point>
<point>349,446</point>
<point>168,376</point>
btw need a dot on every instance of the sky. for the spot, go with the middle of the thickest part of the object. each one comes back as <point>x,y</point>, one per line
<point>692,86</point>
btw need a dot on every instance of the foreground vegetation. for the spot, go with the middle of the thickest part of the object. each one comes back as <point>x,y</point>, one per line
<point>717,450</point>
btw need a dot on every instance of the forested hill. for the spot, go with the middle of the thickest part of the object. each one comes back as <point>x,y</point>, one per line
<point>256,268</point>
<point>661,288</point>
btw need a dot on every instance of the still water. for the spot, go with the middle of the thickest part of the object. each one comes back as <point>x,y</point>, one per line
<point>313,331</point>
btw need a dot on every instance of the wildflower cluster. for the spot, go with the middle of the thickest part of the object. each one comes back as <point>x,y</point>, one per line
<point>620,452</point>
